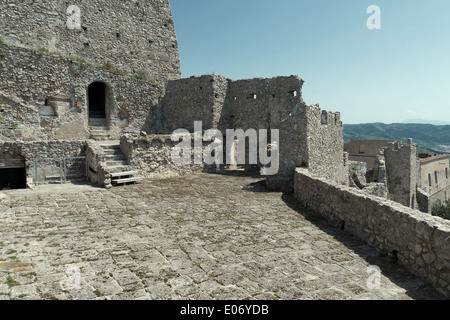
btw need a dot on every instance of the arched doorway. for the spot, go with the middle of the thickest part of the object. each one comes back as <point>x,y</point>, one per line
<point>97,100</point>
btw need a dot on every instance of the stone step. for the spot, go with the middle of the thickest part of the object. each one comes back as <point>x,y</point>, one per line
<point>117,156</point>
<point>99,137</point>
<point>110,146</point>
<point>110,143</point>
<point>111,153</point>
<point>93,130</point>
<point>97,121</point>
<point>119,169</point>
<point>116,163</point>
<point>128,180</point>
<point>123,174</point>
<point>100,134</point>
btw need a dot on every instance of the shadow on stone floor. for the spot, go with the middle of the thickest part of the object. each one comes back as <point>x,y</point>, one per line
<point>415,287</point>
<point>237,173</point>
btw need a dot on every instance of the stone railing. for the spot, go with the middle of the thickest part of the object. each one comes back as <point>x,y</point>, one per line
<point>96,159</point>
<point>420,241</point>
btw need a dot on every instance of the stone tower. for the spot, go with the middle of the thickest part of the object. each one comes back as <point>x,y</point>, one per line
<point>135,37</point>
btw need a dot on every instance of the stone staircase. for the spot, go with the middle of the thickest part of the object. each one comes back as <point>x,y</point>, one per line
<point>116,164</point>
<point>98,128</point>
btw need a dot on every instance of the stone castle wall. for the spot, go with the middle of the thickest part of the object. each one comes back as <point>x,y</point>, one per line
<point>325,144</point>
<point>277,103</point>
<point>419,242</point>
<point>24,154</point>
<point>137,37</point>
<point>29,79</point>
<point>193,99</point>
<point>402,170</point>
<point>151,156</point>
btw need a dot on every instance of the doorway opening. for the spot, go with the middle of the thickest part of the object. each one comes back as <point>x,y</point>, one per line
<point>13,178</point>
<point>97,100</point>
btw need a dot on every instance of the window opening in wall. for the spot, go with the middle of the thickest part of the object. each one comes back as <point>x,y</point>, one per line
<point>97,100</point>
<point>293,93</point>
<point>446,173</point>
<point>324,118</point>
<point>436,177</point>
<point>429,179</point>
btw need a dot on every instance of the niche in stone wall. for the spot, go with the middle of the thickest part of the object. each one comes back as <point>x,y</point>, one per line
<point>324,117</point>
<point>55,106</point>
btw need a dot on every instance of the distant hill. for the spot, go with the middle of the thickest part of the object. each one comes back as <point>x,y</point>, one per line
<point>432,137</point>
<point>422,121</point>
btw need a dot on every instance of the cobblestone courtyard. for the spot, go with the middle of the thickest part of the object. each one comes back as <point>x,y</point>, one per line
<point>195,237</point>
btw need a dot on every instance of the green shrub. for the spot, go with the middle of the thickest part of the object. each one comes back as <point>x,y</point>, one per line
<point>442,210</point>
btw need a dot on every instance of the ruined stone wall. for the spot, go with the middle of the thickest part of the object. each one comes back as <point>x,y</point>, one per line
<point>12,153</point>
<point>29,79</point>
<point>137,37</point>
<point>402,169</point>
<point>151,156</point>
<point>193,99</point>
<point>365,150</point>
<point>419,241</point>
<point>271,104</point>
<point>325,144</point>
<point>257,104</point>
<point>357,174</point>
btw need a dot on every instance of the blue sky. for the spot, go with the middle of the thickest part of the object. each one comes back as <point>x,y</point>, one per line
<point>390,75</point>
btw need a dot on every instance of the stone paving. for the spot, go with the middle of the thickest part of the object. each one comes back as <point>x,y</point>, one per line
<point>195,237</point>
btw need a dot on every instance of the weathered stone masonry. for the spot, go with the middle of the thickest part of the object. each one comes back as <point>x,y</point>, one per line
<point>308,136</point>
<point>30,79</point>
<point>419,241</point>
<point>137,37</point>
<point>24,154</point>
<point>125,57</point>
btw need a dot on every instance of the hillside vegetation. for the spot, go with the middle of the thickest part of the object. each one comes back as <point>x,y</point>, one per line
<point>425,136</point>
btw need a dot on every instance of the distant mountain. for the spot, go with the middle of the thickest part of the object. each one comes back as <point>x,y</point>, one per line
<point>422,121</point>
<point>432,137</point>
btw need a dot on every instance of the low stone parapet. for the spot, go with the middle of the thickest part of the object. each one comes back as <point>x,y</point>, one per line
<point>418,240</point>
